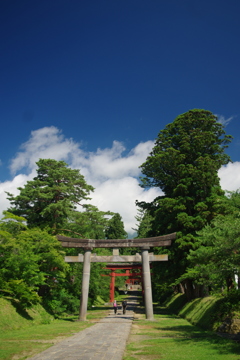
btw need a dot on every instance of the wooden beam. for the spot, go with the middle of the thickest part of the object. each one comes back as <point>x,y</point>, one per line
<point>164,240</point>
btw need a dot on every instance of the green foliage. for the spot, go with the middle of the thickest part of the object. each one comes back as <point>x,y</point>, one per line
<point>33,267</point>
<point>29,262</point>
<point>31,259</point>
<point>228,305</point>
<point>90,223</point>
<point>217,256</point>
<point>162,291</point>
<point>115,228</point>
<point>62,302</point>
<point>12,224</point>
<point>98,301</point>
<point>190,144</point>
<point>18,289</point>
<point>99,285</point>
<point>184,163</point>
<point>144,223</point>
<point>51,196</point>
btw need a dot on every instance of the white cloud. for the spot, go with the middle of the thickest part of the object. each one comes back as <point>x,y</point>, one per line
<point>230,176</point>
<point>11,187</point>
<point>112,171</point>
<point>45,143</point>
<point>110,163</point>
<point>223,121</point>
<point>119,195</point>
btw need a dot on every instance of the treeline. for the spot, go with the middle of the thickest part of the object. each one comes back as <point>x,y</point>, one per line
<point>32,267</point>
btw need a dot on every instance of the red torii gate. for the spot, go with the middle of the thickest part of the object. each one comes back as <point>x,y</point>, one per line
<point>113,274</point>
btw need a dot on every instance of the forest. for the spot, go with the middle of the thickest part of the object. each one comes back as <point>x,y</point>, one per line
<point>184,164</point>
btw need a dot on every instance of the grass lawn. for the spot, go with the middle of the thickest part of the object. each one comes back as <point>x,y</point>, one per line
<point>23,343</point>
<point>170,337</point>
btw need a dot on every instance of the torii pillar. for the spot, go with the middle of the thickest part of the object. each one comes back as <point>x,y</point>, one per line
<point>85,285</point>
<point>147,284</point>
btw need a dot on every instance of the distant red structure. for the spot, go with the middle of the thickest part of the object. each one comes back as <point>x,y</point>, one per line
<point>131,273</point>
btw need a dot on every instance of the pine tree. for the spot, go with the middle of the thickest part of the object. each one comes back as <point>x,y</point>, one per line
<point>115,228</point>
<point>51,196</point>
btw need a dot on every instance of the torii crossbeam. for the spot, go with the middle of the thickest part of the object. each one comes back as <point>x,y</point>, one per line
<point>89,244</point>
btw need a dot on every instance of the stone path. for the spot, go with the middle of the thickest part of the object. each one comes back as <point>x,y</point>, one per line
<point>105,340</point>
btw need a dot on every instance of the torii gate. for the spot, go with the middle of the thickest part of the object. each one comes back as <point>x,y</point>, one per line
<point>131,276</point>
<point>87,258</point>
<point>113,274</point>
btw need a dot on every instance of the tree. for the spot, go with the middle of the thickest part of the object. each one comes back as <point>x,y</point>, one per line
<point>217,256</point>
<point>50,198</point>
<point>115,228</point>
<point>184,163</point>
<point>13,224</point>
<point>32,266</point>
<point>144,223</point>
<point>89,223</point>
<point>30,260</point>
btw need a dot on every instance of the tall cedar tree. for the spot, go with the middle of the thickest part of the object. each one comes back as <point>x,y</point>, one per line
<point>184,163</point>
<point>115,228</point>
<point>144,223</point>
<point>50,197</point>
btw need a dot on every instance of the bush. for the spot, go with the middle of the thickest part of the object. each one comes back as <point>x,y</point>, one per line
<point>162,292</point>
<point>229,305</point>
<point>61,302</point>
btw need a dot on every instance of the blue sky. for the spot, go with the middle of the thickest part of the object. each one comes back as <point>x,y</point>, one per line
<point>101,78</point>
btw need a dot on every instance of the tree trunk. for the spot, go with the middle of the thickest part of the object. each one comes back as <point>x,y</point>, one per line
<point>189,289</point>
<point>230,283</point>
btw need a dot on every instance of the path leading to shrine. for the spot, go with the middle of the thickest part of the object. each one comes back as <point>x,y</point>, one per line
<point>169,337</point>
<point>105,340</point>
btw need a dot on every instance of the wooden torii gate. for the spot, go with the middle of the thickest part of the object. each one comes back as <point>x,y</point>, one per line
<point>89,244</point>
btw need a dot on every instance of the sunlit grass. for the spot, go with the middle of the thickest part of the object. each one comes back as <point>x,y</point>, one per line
<point>23,343</point>
<point>170,337</point>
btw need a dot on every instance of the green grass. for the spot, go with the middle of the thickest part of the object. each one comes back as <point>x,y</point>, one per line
<point>176,302</point>
<point>13,316</point>
<point>23,342</point>
<point>199,311</point>
<point>170,337</point>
